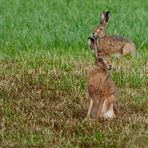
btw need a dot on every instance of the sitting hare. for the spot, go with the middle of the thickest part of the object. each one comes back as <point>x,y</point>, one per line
<point>107,44</point>
<point>102,93</point>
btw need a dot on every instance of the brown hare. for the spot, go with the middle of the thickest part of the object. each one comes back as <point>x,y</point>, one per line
<point>102,93</point>
<point>107,44</point>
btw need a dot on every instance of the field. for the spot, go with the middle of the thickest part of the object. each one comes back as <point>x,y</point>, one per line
<point>44,60</point>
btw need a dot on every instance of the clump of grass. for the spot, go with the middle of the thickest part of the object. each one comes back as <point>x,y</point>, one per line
<point>137,71</point>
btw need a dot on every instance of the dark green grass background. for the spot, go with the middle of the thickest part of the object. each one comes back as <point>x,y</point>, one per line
<point>66,24</point>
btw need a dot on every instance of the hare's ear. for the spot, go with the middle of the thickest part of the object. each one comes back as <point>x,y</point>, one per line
<point>91,44</point>
<point>107,16</point>
<point>102,18</point>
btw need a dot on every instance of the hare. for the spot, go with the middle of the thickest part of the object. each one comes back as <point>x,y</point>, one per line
<point>107,44</point>
<point>102,93</point>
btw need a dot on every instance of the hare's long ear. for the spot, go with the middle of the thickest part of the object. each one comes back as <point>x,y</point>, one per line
<point>91,44</point>
<point>104,18</point>
<point>96,51</point>
<point>107,16</point>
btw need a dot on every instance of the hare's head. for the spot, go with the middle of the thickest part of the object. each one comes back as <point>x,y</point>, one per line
<point>104,63</point>
<point>100,30</point>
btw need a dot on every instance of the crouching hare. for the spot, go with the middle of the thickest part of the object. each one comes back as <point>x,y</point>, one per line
<point>109,44</point>
<point>102,93</point>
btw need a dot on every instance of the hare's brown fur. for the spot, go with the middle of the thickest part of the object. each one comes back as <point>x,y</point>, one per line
<point>107,44</point>
<point>115,45</point>
<point>102,93</point>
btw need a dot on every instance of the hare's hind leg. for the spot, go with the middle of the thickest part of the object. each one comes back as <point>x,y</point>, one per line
<point>89,108</point>
<point>129,49</point>
<point>101,108</point>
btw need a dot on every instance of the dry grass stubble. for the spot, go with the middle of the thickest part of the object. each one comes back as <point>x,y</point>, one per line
<point>43,102</point>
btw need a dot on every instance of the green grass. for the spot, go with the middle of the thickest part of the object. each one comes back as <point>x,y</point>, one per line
<point>63,24</point>
<point>44,60</point>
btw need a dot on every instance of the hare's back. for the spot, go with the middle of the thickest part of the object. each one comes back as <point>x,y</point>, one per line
<point>119,39</point>
<point>113,44</point>
<point>114,41</point>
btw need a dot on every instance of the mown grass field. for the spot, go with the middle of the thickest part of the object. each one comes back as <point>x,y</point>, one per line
<point>44,60</point>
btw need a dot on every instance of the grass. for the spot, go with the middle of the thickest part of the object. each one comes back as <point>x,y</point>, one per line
<point>58,24</point>
<point>44,60</point>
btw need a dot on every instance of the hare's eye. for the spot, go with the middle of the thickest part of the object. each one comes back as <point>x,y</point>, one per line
<point>100,59</point>
<point>101,28</point>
